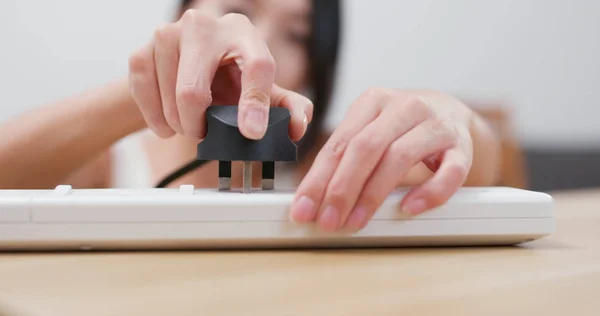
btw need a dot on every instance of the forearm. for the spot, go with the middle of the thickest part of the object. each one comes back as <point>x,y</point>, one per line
<point>486,166</point>
<point>43,147</point>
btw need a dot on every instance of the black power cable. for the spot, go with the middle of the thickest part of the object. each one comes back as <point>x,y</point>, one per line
<point>189,167</point>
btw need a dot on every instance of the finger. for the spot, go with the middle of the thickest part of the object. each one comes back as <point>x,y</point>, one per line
<point>361,158</point>
<point>144,90</point>
<point>436,191</point>
<point>166,56</point>
<point>404,153</point>
<point>300,107</point>
<point>311,190</point>
<point>253,57</point>
<point>198,63</point>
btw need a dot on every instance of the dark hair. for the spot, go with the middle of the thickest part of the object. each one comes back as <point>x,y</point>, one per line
<point>322,50</point>
<point>323,55</point>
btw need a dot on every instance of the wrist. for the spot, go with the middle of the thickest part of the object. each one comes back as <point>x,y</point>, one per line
<point>487,152</point>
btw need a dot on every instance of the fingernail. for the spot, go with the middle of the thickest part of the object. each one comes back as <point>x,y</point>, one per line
<point>330,219</point>
<point>414,207</point>
<point>304,210</point>
<point>357,219</point>
<point>255,123</point>
<point>305,124</point>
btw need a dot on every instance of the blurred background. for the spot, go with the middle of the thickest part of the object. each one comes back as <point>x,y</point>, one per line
<point>531,66</point>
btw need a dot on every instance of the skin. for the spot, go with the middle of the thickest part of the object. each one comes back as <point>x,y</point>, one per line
<point>250,52</point>
<point>67,141</point>
<point>386,133</point>
<point>282,25</point>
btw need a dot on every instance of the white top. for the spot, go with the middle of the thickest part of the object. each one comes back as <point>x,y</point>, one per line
<point>131,168</point>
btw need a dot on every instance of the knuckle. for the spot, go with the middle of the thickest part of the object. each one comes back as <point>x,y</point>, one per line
<point>236,18</point>
<point>337,194</point>
<point>444,132</point>
<point>335,148</point>
<point>439,194</point>
<point>366,145</point>
<point>157,122</point>
<point>372,198</point>
<point>401,154</point>
<point>377,97</point>
<point>164,133</point>
<point>264,64</point>
<point>404,156</point>
<point>282,99</point>
<point>376,93</point>
<point>416,101</point>
<point>138,62</point>
<point>438,125</point>
<point>436,198</point>
<point>458,172</point>
<point>171,118</point>
<point>256,98</point>
<point>435,195</point>
<point>196,17</point>
<point>163,33</point>
<point>153,121</point>
<point>189,15</point>
<point>190,95</point>
<point>418,106</point>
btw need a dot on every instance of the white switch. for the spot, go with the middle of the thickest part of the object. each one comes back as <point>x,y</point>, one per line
<point>187,189</point>
<point>62,190</point>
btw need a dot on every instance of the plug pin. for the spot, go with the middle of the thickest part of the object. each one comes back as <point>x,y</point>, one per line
<point>224,175</point>
<point>268,175</point>
<point>247,180</point>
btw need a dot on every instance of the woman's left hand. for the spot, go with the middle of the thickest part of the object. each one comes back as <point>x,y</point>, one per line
<point>383,136</point>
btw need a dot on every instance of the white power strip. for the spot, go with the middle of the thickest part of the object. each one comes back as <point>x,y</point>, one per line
<point>186,218</point>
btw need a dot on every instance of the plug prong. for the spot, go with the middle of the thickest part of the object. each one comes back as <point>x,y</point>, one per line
<point>247,178</point>
<point>224,175</point>
<point>268,175</point>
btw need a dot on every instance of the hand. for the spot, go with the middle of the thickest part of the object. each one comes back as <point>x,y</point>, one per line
<point>202,60</point>
<point>385,134</point>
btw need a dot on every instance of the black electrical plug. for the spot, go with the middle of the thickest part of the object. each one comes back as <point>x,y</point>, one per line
<point>224,142</point>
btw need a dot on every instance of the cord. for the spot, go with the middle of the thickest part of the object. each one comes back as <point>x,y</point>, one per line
<point>187,168</point>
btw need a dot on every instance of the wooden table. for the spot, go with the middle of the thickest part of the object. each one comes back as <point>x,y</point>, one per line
<point>559,275</point>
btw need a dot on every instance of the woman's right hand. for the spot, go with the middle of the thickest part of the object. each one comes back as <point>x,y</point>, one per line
<point>202,60</point>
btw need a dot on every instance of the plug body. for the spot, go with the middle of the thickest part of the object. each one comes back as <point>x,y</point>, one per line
<point>225,143</point>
